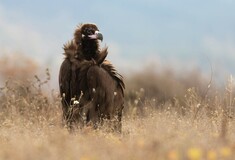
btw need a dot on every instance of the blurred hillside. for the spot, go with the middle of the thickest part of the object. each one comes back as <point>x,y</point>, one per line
<point>150,83</point>
<point>164,84</point>
<point>17,67</point>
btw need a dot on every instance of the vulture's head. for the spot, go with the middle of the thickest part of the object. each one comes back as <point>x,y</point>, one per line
<point>87,32</point>
<point>91,32</point>
<point>87,37</point>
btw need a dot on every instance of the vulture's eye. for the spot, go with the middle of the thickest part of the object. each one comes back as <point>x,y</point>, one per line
<point>89,31</point>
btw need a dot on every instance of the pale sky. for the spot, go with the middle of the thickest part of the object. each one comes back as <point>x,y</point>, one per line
<point>182,34</point>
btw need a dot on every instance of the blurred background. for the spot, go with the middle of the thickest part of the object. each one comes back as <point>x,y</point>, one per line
<point>177,40</point>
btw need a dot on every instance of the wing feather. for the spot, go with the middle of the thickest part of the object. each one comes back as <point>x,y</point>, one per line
<point>64,83</point>
<point>113,72</point>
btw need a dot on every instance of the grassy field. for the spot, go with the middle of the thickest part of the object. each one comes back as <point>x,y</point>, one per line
<point>188,126</point>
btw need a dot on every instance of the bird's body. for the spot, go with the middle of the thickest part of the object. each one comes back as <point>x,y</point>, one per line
<point>90,87</point>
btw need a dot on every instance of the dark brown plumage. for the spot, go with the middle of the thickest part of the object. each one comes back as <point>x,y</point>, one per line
<point>91,88</point>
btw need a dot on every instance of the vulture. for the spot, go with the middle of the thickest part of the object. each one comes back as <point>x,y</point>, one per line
<point>91,89</point>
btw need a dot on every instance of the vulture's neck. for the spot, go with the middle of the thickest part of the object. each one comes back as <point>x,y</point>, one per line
<point>90,48</point>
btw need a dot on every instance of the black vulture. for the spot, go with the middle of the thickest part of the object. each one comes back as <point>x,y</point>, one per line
<point>92,90</point>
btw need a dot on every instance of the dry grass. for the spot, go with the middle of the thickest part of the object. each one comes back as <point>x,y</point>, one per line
<point>31,128</point>
<point>154,137</point>
<point>185,125</point>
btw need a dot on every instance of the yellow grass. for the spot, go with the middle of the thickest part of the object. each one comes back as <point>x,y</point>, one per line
<point>159,135</point>
<point>189,127</point>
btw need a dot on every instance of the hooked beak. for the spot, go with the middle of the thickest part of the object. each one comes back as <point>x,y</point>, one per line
<point>97,35</point>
